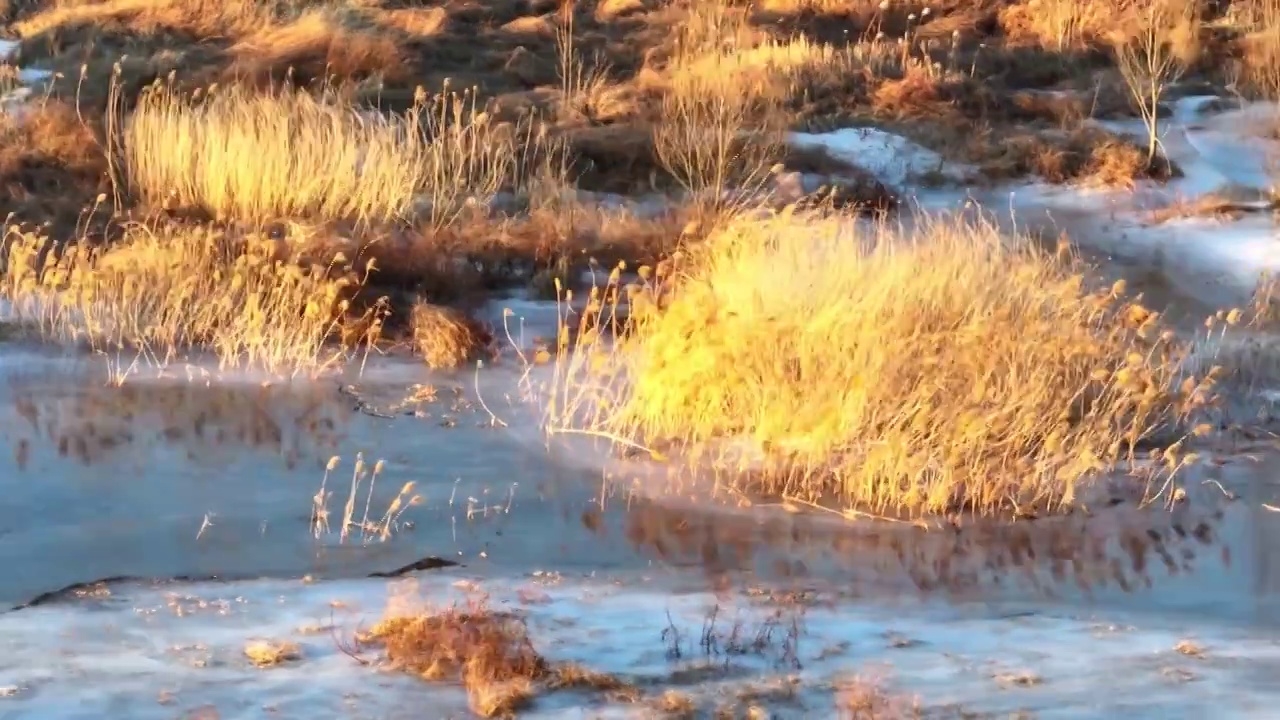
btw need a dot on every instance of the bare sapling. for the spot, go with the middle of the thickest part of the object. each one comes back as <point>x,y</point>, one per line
<point>1155,57</point>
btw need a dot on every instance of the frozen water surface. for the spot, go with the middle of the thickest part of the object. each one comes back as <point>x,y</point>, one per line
<point>189,493</point>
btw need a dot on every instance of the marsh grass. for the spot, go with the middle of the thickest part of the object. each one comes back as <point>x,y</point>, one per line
<point>721,126</point>
<point>200,18</point>
<point>938,370</point>
<point>242,154</point>
<point>167,290</point>
<point>355,514</point>
<point>444,338</point>
<point>1260,69</point>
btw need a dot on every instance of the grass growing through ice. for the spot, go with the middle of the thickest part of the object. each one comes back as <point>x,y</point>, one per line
<point>903,372</point>
<point>355,514</point>
<point>247,155</point>
<point>162,291</point>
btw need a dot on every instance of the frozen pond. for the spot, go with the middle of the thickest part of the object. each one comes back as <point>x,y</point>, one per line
<point>151,529</point>
<point>182,479</point>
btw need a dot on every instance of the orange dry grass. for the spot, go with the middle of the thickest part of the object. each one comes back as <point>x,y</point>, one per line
<point>259,156</point>
<point>320,43</point>
<point>488,652</point>
<point>1260,69</point>
<point>443,337</point>
<point>1062,25</point>
<point>201,18</point>
<point>164,291</point>
<point>939,370</point>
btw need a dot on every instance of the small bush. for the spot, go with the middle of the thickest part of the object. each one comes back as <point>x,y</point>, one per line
<point>931,371</point>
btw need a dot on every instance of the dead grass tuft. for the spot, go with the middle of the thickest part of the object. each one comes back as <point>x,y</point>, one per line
<point>244,155</point>
<point>269,653</point>
<point>322,44</point>
<point>1061,25</point>
<point>676,706</point>
<point>49,151</point>
<point>860,698</point>
<point>936,371</point>
<point>488,652</point>
<point>163,291</point>
<point>443,337</point>
<point>420,23</point>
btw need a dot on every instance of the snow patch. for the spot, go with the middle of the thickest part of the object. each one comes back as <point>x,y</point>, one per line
<point>892,159</point>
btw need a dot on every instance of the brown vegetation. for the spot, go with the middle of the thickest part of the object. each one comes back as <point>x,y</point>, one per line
<point>320,126</point>
<point>487,651</point>
<point>443,337</point>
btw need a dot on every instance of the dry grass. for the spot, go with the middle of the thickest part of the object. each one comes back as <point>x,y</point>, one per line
<point>1062,25</point>
<point>444,338</point>
<point>1260,69</point>
<point>244,155</point>
<point>355,515</point>
<point>488,652</point>
<point>319,44</point>
<point>861,698</point>
<point>269,653</point>
<point>720,127</point>
<point>200,18</point>
<point>676,705</point>
<point>163,291</point>
<point>931,371</point>
<point>49,150</point>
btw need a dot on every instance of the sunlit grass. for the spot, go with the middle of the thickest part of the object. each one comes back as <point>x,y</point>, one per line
<point>932,370</point>
<point>162,292</point>
<point>241,154</point>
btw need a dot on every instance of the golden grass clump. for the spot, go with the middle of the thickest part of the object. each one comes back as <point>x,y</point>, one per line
<point>162,291</point>
<point>444,338</point>
<point>246,155</point>
<point>488,652</point>
<point>269,653</point>
<point>933,370</point>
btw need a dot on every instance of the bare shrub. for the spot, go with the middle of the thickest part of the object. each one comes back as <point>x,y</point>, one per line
<point>1157,54</point>
<point>719,131</point>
